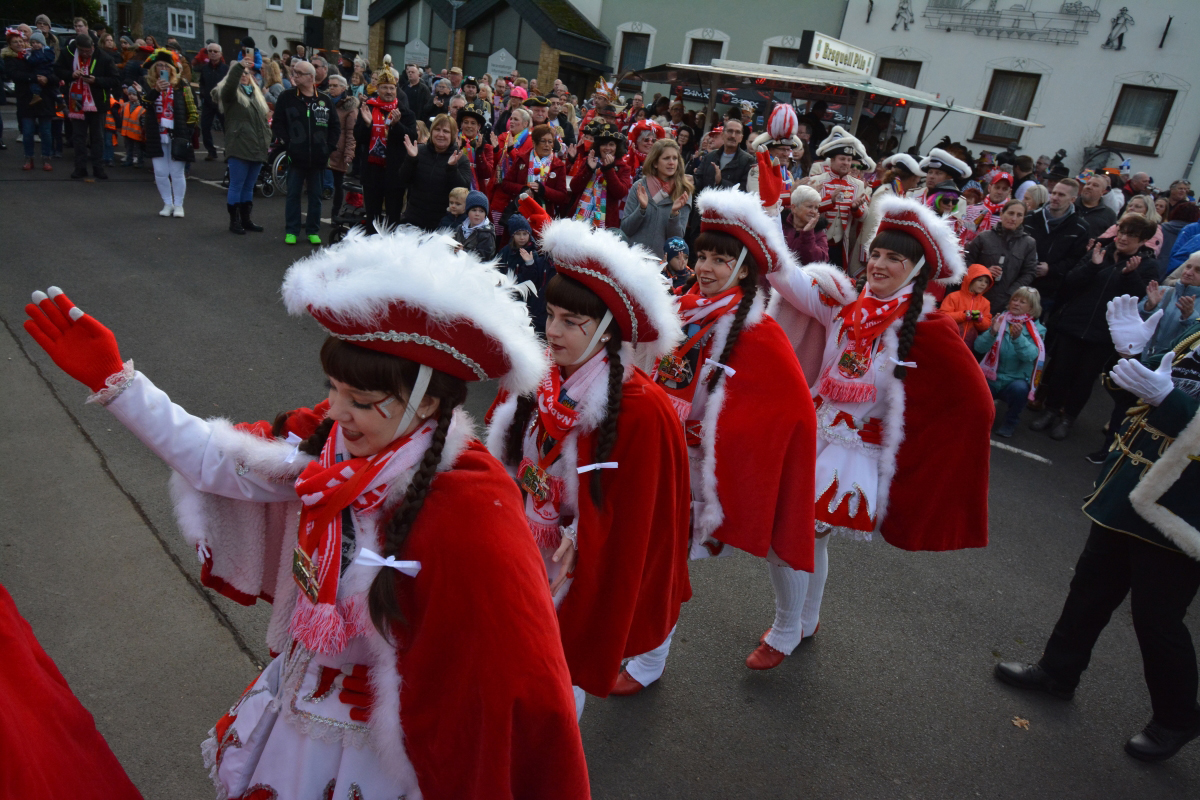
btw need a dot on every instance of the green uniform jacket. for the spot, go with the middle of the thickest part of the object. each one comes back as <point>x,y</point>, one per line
<point>1149,486</point>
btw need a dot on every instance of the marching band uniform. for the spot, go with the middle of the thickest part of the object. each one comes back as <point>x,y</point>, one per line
<point>631,576</point>
<point>839,194</point>
<point>400,726</point>
<point>878,467</point>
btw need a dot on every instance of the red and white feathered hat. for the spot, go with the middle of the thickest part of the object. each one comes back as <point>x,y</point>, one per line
<point>643,125</point>
<point>934,232</point>
<point>411,294</point>
<point>840,142</point>
<point>741,215</point>
<point>782,125</point>
<point>627,278</point>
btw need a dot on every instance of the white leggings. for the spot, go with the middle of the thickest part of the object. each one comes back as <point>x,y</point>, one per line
<point>168,174</point>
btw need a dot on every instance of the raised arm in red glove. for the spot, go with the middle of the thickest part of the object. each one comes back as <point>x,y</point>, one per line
<point>78,344</point>
<point>770,182</point>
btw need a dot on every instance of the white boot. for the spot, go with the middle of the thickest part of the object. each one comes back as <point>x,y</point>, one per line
<point>167,210</point>
<point>178,211</point>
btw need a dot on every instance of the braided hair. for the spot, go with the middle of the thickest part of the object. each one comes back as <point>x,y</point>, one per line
<point>371,370</point>
<point>727,245</point>
<point>911,249</point>
<point>607,437</point>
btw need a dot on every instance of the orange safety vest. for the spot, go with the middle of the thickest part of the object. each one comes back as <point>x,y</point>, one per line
<point>131,120</point>
<point>114,111</point>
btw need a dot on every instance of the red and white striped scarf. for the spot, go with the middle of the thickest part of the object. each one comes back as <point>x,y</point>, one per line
<point>326,488</point>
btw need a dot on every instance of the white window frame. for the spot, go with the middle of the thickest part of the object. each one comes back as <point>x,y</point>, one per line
<point>274,5</point>
<point>782,42</point>
<point>300,8</point>
<point>704,33</point>
<point>633,26</point>
<point>181,14</point>
<point>358,9</point>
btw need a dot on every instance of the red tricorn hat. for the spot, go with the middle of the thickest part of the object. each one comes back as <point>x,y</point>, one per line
<point>741,215</point>
<point>628,279</point>
<point>413,295</point>
<point>935,234</point>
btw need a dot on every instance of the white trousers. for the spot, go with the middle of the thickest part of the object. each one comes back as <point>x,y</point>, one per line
<point>648,667</point>
<point>168,174</point>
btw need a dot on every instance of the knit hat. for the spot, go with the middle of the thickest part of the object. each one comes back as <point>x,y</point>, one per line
<point>517,222</point>
<point>675,246</point>
<point>38,37</point>
<point>477,199</point>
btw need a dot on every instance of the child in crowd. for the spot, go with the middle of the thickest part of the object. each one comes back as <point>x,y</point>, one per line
<point>521,259</point>
<point>456,212</point>
<point>131,126</point>
<point>677,270</point>
<point>969,309</point>
<point>476,234</point>
<point>1014,354</point>
<point>40,59</point>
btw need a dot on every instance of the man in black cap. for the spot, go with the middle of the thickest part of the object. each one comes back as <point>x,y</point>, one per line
<point>470,93</point>
<point>90,76</point>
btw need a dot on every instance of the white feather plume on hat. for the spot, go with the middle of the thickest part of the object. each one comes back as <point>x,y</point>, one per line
<point>840,137</point>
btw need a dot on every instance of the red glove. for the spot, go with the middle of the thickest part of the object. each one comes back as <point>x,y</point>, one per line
<point>770,182</point>
<point>355,689</point>
<point>78,344</point>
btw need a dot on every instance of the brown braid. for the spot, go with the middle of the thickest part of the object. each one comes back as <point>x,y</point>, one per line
<point>515,440</point>
<point>381,599</point>
<point>316,442</point>
<point>608,426</point>
<point>909,327</point>
<point>735,330</point>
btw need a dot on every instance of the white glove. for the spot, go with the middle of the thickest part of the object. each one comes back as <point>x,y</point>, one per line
<point>1128,330</point>
<point>1153,386</point>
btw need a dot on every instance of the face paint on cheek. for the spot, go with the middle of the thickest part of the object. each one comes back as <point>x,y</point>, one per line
<point>381,407</point>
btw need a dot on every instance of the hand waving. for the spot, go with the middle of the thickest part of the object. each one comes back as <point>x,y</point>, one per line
<point>642,198</point>
<point>410,147</point>
<point>1129,332</point>
<point>1153,386</point>
<point>77,343</point>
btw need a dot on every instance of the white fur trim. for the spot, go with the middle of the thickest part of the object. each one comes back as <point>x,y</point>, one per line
<point>905,159</point>
<point>387,735</point>
<point>634,268</point>
<point>1159,479</point>
<point>765,139</point>
<point>712,515</point>
<point>957,164</point>
<point>833,282</point>
<point>840,137</point>
<point>940,229</point>
<point>746,210</point>
<point>358,279</point>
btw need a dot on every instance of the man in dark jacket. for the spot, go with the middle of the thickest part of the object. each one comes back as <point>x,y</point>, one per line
<point>307,125</point>
<point>1091,206</point>
<point>90,76</point>
<point>415,91</point>
<point>211,72</point>
<point>1061,237</point>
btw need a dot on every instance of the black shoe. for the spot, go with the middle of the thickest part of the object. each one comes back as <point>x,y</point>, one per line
<point>100,173</point>
<point>1158,743</point>
<point>211,157</point>
<point>1097,457</point>
<point>244,209</point>
<point>235,219</point>
<point>1043,421</point>
<point>1062,429</point>
<point>78,175</point>
<point>327,194</point>
<point>1031,676</point>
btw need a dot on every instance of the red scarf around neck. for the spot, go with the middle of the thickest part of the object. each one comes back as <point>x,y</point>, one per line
<point>678,373</point>
<point>377,147</point>
<point>863,322</point>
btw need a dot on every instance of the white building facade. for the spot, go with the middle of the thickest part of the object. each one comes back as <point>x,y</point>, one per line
<point>1095,73</point>
<point>276,25</point>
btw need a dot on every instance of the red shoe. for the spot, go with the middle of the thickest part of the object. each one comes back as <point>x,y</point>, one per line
<point>46,165</point>
<point>625,685</point>
<point>764,657</point>
<point>28,165</point>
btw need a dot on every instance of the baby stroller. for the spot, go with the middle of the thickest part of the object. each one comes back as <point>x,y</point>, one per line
<point>352,213</point>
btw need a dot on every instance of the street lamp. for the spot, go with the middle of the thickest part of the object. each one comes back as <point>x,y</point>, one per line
<point>454,5</point>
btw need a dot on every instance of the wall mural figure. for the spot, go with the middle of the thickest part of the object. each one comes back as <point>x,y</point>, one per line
<point>1057,22</point>
<point>904,13</point>
<point>1120,24</point>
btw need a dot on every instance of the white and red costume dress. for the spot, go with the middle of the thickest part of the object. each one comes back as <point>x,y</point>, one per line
<point>881,467</point>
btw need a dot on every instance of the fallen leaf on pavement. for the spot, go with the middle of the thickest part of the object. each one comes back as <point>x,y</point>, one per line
<point>1023,724</point>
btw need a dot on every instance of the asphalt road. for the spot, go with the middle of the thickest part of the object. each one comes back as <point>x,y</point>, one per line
<point>894,698</point>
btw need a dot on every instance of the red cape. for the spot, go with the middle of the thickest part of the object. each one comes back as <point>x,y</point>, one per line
<point>486,700</point>
<point>939,495</point>
<point>49,745</point>
<point>632,575</point>
<point>766,448</point>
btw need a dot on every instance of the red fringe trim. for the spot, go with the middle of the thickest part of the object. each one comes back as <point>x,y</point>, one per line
<point>320,628</point>
<point>844,391</point>
<point>545,535</point>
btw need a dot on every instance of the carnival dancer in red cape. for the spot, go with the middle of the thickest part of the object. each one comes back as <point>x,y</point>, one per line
<point>392,545</point>
<point>598,453</point>
<point>888,374</point>
<point>745,408</point>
